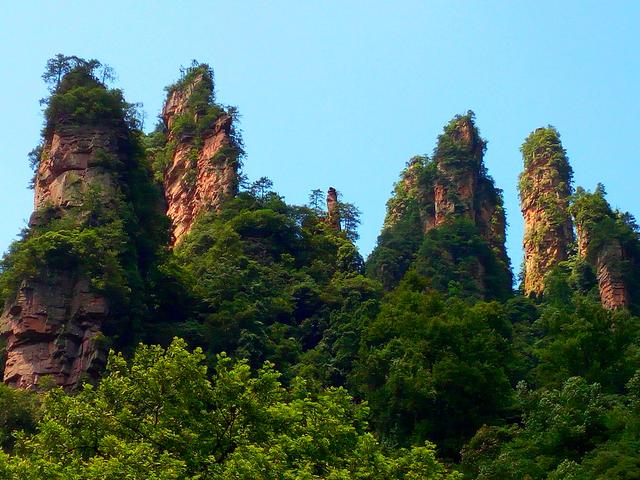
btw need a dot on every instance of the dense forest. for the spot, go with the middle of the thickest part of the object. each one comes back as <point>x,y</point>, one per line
<point>167,318</point>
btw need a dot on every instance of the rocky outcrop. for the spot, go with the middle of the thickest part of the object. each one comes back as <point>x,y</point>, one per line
<point>72,162</point>
<point>53,326</point>
<point>333,213</point>
<point>458,161</point>
<point>607,242</point>
<point>612,286</point>
<point>414,190</point>
<point>545,188</point>
<point>443,193</point>
<point>203,166</point>
<point>462,189</point>
<point>53,330</point>
<point>607,260</point>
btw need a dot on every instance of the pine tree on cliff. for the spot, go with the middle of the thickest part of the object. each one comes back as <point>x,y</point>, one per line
<point>545,189</point>
<point>446,220</point>
<point>74,282</point>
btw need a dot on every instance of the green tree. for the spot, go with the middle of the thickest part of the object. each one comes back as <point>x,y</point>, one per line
<point>162,416</point>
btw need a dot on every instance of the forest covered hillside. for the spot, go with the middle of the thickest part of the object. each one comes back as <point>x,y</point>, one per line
<point>165,317</point>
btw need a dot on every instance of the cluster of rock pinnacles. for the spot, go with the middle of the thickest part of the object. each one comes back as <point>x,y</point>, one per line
<point>53,325</point>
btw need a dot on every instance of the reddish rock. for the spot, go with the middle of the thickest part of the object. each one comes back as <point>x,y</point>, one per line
<point>201,176</point>
<point>53,325</point>
<point>333,214</point>
<point>545,188</point>
<point>52,329</point>
<point>612,286</point>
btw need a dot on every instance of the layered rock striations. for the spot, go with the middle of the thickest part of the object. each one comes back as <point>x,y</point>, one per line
<point>444,197</point>
<point>607,243</point>
<point>202,150</point>
<point>71,264</point>
<point>545,190</point>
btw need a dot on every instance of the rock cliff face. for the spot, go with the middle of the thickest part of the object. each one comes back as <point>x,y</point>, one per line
<point>53,326</point>
<point>452,187</point>
<point>607,260</point>
<point>462,189</point>
<point>545,188</point>
<point>203,166</point>
<point>607,241</point>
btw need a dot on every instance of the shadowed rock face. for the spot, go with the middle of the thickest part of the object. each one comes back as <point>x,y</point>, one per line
<point>545,188</point>
<point>200,176</point>
<point>53,329</point>
<point>607,261</point>
<point>53,325</point>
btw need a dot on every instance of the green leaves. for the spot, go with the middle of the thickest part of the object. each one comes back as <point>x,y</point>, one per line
<point>161,416</point>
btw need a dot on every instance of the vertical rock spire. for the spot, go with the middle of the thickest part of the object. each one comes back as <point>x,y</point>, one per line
<point>439,202</point>
<point>54,322</point>
<point>545,188</point>
<point>202,150</point>
<point>333,212</point>
<point>601,242</point>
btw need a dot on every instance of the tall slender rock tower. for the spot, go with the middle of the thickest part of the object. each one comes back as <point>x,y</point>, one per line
<point>545,188</point>
<point>53,325</point>
<point>333,212</point>
<point>202,150</point>
<point>445,196</point>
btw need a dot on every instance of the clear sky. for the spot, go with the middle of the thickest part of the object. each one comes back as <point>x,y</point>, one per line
<point>343,93</point>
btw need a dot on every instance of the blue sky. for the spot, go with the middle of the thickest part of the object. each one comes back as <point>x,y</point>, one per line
<point>343,93</point>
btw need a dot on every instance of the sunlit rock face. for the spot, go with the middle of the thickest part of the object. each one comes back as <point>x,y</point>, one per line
<point>545,189</point>
<point>52,327</point>
<point>203,171</point>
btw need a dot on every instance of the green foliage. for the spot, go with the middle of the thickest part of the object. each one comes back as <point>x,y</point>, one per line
<point>162,416</point>
<point>402,233</point>
<point>460,144</point>
<point>458,256</point>
<point>434,369</point>
<point>457,260</point>
<point>110,233</point>
<point>262,276</point>
<point>79,98</point>
<point>193,124</point>
<point>580,338</point>
<point>543,145</point>
<point>609,233</point>
<point>18,412</point>
<point>573,432</point>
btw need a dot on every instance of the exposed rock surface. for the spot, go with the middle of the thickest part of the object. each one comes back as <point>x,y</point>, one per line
<point>545,188</point>
<point>333,213</point>
<point>451,187</point>
<point>203,169</point>
<point>607,261</point>
<point>462,188</point>
<point>52,327</point>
